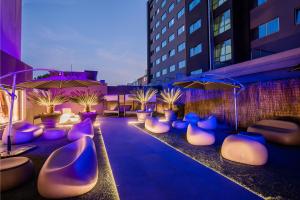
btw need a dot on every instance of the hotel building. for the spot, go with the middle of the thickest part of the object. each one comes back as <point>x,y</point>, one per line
<point>189,37</point>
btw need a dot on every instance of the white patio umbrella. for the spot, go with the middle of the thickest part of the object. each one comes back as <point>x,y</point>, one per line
<point>207,83</point>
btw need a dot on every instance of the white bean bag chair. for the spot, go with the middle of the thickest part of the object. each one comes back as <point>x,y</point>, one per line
<point>15,171</point>
<point>281,132</point>
<point>155,126</point>
<point>198,136</point>
<point>192,118</point>
<point>54,133</point>
<point>22,132</point>
<point>180,124</point>
<point>84,128</point>
<point>69,171</point>
<point>242,149</point>
<point>210,123</point>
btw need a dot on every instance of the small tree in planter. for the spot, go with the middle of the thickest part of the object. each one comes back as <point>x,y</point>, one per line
<point>87,98</point>
<point>170,96</point>
<point>143,97</point>
<point>50,99</point>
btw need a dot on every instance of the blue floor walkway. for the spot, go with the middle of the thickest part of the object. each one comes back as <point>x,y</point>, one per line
<point>145,168</point>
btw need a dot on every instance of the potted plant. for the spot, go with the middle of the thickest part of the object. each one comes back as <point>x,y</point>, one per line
<point>170,96</point>
<point>87,98</point>
<point>50,99</point>
<point>143,97</point>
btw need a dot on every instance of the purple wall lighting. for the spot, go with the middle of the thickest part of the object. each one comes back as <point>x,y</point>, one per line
<point>10,27</point>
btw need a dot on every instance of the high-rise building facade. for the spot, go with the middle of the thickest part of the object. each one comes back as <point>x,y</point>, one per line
<point>187,37</point>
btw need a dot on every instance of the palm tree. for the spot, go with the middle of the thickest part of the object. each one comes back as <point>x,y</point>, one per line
<point>144,96</point>
<point>170,96</point>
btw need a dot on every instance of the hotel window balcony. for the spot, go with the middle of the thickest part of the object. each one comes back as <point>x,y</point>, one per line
<point>164,43</point>
<point>163,3</point>
<point>223,52</point>
<point>157,62</point>
<point>157,74</point>
<point>157,49</point>
<point>164,58</point>
<point>157,24</point>
<point>171,8</point>
<point>172,68</point>
<point>266,29</point>
<point>172,53</point>
<point>164,16</point>
<point>218,3</point>
<point>196,50</point>
<point>297,16</point>
<point>180,30</point>
<point>193,4</point>
<point>163,30</point>
<point>181,47</point>
<point>157,36</point>
<point>164,71</point>
<point>180,13</point>
<point>181,64</point>
<point>171,37</point>
<point>222,23</point>
<point>195,26</point>
<point>171,22</point>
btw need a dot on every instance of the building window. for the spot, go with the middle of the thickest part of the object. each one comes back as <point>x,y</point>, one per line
<point>180,13</point>
<point>222,23</point>
<point>157,61</point>
<point>195,26</point>
<point>218,3</point>
<point>164,71</point>
<point>157,74</point>
<point>266,29</point>
<point>164,57</point>
<point>193,4</point>
<point>260,2</point>
<point>178,1</point>
<point>157,11</point>
<point>171,22</point>
<point>180,30</point>
<point>195,50</point>
<point>163,3</point>
<point>164,43</point>
<point>196,72</point>
<point>171,7</point>
<point>172,68</point>
<point>164,16</point>
<point>163,30</point>
<point>223,52</point>
<point>157,24</point>
<point>181,47</point>
<point>182,64</point>
<point>297,19</point>
<point>157,49</point>
<point>157,36</point>
<point>171,52</point>
<point>171,37</point>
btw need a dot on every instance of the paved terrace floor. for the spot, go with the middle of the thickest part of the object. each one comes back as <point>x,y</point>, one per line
<point>145,168</point>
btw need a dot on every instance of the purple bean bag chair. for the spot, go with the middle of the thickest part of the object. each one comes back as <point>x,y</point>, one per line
<point>69,171</point>
<point>22,132</point>
<point>84,128</point>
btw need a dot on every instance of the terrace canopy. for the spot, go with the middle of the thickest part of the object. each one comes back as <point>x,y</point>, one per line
<point>58,82</point>
<point>208,83</point>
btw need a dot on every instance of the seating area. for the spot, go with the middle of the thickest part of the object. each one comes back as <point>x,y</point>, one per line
<point>155,126</point>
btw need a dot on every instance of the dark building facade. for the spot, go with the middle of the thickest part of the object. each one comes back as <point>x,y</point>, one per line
<point>187,37</point>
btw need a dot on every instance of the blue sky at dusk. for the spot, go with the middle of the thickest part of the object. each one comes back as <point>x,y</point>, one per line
<point>104,35</point>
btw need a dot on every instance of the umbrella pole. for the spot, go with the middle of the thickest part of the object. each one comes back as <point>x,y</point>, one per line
<point>235,109</point>
<point>12,96</point>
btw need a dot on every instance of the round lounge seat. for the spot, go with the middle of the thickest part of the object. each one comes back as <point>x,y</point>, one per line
<point>22,132</point>
<point>15,171</point>
<point>243,149</point>
<point>155,126</point>
<point>199,136</point>
<point>54,133</point>
<point>79,130</point>
<point>210,123</point>
<point>278,131</point>
<point>69,171</point>
<point>192,118</point>
<point>180,124</point>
